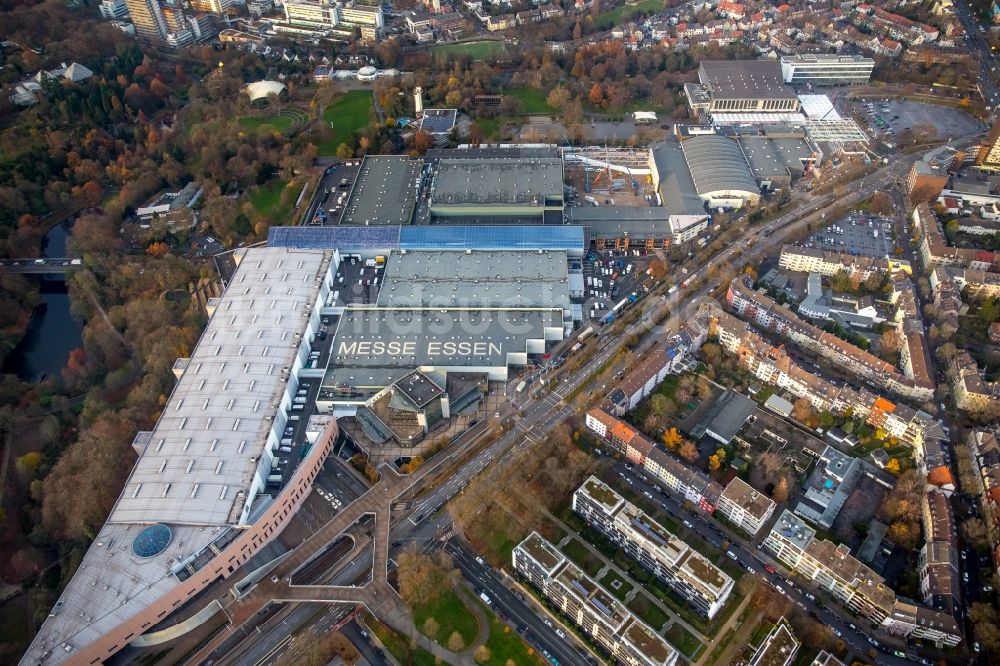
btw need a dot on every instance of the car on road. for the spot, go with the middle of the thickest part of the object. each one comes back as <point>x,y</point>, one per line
<point>688,525</point>
<point>770,569</point>
<point>560,633</point>
<point>548,622</point>
<point>479,559</point>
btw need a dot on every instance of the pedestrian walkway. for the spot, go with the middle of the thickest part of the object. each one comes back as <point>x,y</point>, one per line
<point>732,648</point>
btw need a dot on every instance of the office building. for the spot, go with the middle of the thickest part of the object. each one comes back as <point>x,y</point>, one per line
<point>211,6</point>
<point>988,157</point>
<point>823,69</point>
<point>744,507</point>
<point>591,608</point>
<point>828,487</point>
<point>692,576</point>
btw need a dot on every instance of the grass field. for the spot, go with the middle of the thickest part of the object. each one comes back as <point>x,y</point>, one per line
<point>475,50</point>
<point>346,116</point>
<point>586,560</point>
<point>278,123</point>
<point>532,99</point>
<point>619,15</point>
<point>399,646</point>
<point>622,590</point>
<point>451,614</point>
<point>266,199</point>
<point>648,612</point>
<point>683,640</point>
<point>507,647</point>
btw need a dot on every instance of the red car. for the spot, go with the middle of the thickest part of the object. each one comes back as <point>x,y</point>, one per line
<point>770,569</point>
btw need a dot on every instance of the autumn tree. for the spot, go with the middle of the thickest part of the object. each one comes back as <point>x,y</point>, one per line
<point>974,531</point>
<point>423,577</point>
<point>714,462</point>
<point>455,642</point>
<point>688,451</point>
<point>803,412</point>
<point>781,490</point>
<point>672,439</point>
<point>596,95</point>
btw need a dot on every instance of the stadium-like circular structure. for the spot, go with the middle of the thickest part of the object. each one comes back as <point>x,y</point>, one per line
<point>260,90</point>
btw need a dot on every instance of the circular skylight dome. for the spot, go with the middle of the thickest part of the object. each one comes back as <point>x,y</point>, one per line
<point>152,541</point>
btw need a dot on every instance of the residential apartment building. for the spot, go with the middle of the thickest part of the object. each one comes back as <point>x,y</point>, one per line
<point>594,611</point>
<point>114,10</point>
<point>825,262</point>
<point>779,647</point>
<point>744,507</point>
<point>762,310</point>
<point>828,487</point>
<point>826,69</point>
<point>972,393</point>
<point>147,17</point>
<point>935,251</point>
<point>695,579</point>
<point>680,480</point>
<point>833,569</point>
<point>824,658</point>
<point>774,366</point>
<point>324,15</point>
<point>988,157</point>
<point>938,564</point>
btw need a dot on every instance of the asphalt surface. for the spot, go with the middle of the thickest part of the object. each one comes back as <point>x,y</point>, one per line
<point>519,613</point>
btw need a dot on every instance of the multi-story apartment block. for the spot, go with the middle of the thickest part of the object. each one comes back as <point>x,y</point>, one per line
<point>935,251</point>
<point>824,658</point>
<point>972,392</point>
<point>592,609</point>
<point>687,572</point>
<point>114,10</point>
<point>825,262</point>
<point>763,311</point>
<point>779,647</point>
<point>773,365</point>
<point>988,157</point>
<point>743,506</point>
<point>147,17</point>
<point>938,563</point>
<point>834,570</point>
<point>326,15</point>
<point>682,481</point>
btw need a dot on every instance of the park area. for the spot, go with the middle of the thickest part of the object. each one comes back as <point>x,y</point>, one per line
<point>533,99</point>
<point>266,200</point>
<point>345,116</point>
<point>284,121</point>
<point>475,50</point>
<point>620,15</point>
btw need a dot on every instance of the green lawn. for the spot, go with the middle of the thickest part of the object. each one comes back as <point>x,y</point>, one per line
<point>619,15</point>
<point>579,553</point>
<point>451,614</point>
<point>345,116</point>
<point>622,591</point>
<point>683,640</point>
<point>506,647</point>
<point>277,123</point>
<point>475,50</point>
<point>532,99</point>
<point>266,200</point>
<point>648,612</point>
<point>490,127</point>
<point>399,646</point>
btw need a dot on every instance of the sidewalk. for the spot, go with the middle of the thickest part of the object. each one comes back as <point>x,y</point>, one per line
<point>739,641</point>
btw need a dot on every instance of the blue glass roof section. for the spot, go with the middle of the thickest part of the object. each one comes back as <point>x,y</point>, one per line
<point>346,238</point>
<point>492,237</point>
<point>436,237</point>
<point>152,541</point>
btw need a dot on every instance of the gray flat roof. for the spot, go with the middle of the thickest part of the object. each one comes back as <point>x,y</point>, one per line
<point>384,192</point>
<point>453,278</point>
<point>199,463</point>
<point>717,164</point>
<point>676,187</point>
<point>617,221</point>
<point>726,416</point>
<point>438,121</point>
<point>501,180</point>
<point>770,157</point>
<point>744,79</point>
<point>373,347</point>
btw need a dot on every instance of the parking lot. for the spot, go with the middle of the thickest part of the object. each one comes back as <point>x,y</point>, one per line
<point>356,283</point>
<point>609,277</point>
<point>888,119</point>
<point>862,234</point>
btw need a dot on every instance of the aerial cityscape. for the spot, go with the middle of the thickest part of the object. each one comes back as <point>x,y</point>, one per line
<point>499,332</point>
